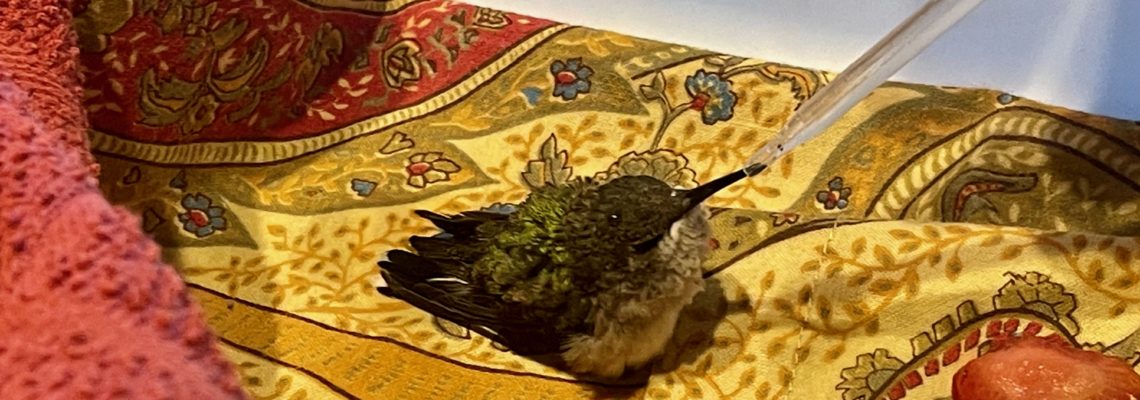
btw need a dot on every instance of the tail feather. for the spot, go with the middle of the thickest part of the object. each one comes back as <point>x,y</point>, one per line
<point>464,224</point>
<point>410,266</point>
<point>435,279</point>
<point>454,300</point>
<point>425,297</point>
<point>445,249</point>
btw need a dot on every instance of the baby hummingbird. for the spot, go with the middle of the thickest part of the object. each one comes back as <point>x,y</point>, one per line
<point>595,272</point>
<point>599,272</point>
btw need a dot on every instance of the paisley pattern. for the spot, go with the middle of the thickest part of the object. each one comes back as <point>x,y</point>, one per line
<point>276,148</point>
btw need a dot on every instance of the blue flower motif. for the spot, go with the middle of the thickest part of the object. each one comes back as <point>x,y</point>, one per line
<point>570,78</point>
<point>711,95</point>
<point>836,196</point>
<point>501,208</point>
<point>362,187</point>
<point>532,94</point>
<point>201,218</point>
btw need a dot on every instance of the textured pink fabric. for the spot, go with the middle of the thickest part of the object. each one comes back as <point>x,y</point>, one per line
<point>87,310</point>
<point>38,53</point>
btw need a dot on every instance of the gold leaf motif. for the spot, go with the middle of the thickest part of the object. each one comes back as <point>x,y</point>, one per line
<point>748,377</point>
<point>783,305</point>
<point>835,352</point>
<point>768,280</point>
<point>1123,257</point>
<point>766,191</point>
<point>833,269</point>
<point>909,246</point>
<point>763,390</point>
<point>1118,309</point>
<point>902,234</point>
<point>859,279</point>
<point>952,270</point>
<point>1105,243</point>
<point>859,246</point>
<point>936,258</point>
<point>1096,269</point>
<point>1124,283</point>
<point>991,241</point>
<point>884,256</point>
<point>786,165</point>
<point>957,229</point>
<point>659,393</point>
<point>931,232</point>
<point>705,364</point>
<point>1011,252</point>
<point>823,307</point>
<point>1080,242</point>
<point>882,286</point>
<point>809,266</point>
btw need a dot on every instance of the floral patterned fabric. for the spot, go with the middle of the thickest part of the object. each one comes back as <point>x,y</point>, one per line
<point>276,149</point>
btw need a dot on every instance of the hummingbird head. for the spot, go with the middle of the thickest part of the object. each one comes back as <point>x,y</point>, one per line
<point>641,209</point>
<point>635,208</point>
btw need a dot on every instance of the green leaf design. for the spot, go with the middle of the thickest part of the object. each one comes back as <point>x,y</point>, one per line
<point>1035,291</point>
<point>655,89</point>
<point>234,84</point>
<point>164,103</point>
<point>228,32</point>
<point>550,168</point>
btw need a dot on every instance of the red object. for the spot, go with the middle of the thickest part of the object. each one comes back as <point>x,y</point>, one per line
<point>993,329</point>
<point>565,77</point>
<point>419,168</point>
<point>1032,329</point>
<point>897,392</point>
<point>1044,368</point>
<point>972,339</point>
<point>394,69</point>
<point>912,380</point>
<point>1010,326</point>
<point>931,368</point>
<point>87,310</point>
<point>951,355</point>
<point>199,218</point>
<point>699,101</point>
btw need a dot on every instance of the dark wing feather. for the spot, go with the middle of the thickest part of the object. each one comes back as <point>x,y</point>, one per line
<point>463,224</point>
<point>449,249</point>
<point>433,279</point>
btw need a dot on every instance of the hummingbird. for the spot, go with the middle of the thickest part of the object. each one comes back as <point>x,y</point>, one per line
<point>596,272</point>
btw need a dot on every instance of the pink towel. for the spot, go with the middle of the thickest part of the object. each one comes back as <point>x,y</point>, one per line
<point>87,309</point>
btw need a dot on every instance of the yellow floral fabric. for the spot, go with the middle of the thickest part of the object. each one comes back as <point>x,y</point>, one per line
<point>870,263</point>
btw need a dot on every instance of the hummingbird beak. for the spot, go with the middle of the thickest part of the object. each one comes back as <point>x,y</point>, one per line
<point>695,196</point>
<point>703,192</point>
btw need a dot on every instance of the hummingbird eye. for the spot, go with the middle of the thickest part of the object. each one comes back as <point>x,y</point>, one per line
<point>614,219</point>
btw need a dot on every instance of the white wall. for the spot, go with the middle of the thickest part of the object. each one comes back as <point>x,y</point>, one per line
<point>1079,54</point>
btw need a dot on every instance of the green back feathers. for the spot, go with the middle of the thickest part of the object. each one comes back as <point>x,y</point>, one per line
<point>529,239</point>
<point>530,258</point>
<point>566,242</point>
